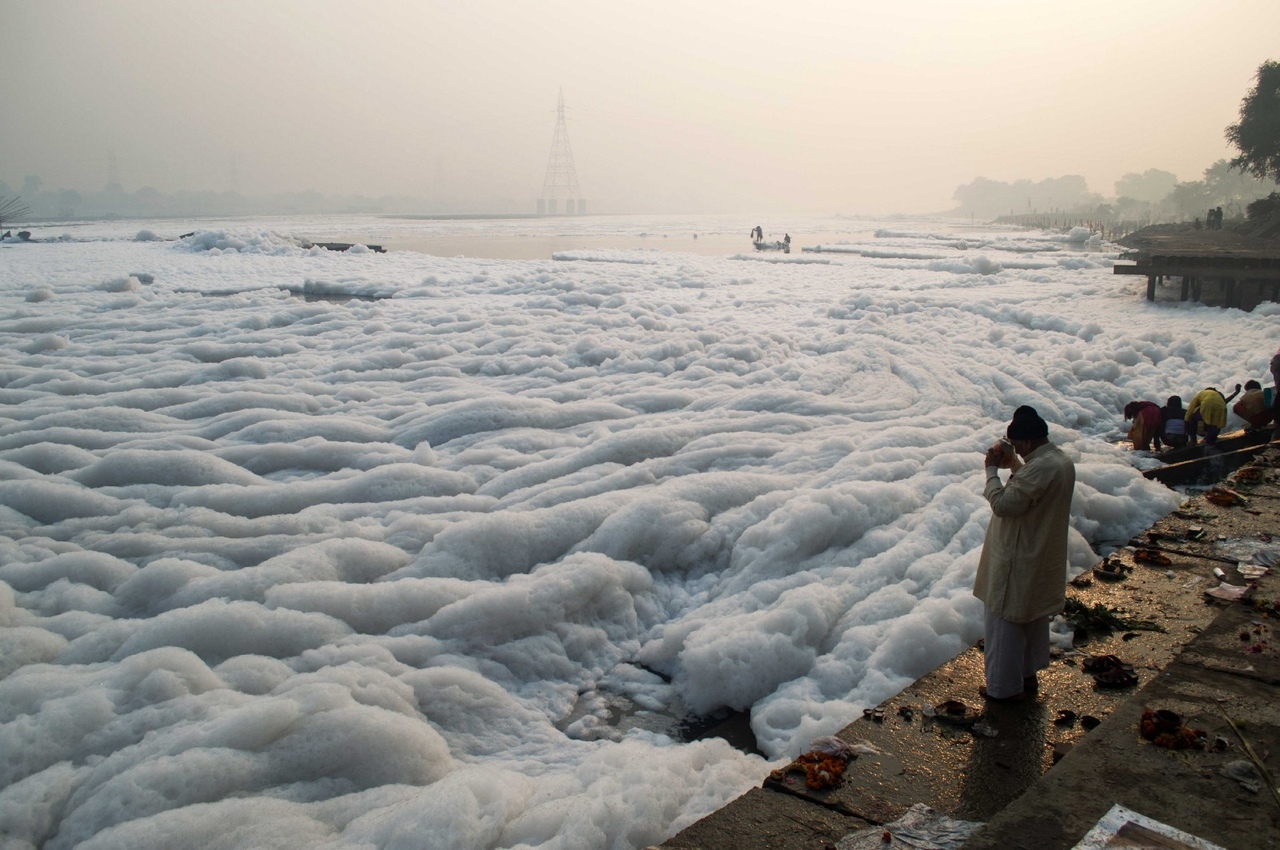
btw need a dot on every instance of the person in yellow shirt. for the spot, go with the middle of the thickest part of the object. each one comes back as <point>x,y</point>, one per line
<point>1207,413</point>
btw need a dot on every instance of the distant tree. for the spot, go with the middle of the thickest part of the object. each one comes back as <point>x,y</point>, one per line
<point>1189,199</point>
<point>993,198</point>
<point>1223,186</point>
<point>1151,185</point>
<point>1257,134</point>
<point>1228,184</point>
<point>1264,207</point>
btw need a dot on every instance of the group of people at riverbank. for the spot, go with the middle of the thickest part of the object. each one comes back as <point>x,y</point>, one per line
<point>1173,426</point>
<point>1021,574</point>
<point>1021,577</point>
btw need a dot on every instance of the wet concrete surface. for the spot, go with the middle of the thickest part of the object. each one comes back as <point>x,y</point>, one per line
<point>762,818</point>
<point>1185,789</point>
<point>1208,661</point>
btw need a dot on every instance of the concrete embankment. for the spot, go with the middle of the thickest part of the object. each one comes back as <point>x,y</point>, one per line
<point>1040,773</point>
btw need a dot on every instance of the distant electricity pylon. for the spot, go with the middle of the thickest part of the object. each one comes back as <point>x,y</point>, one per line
<point>561,182</point>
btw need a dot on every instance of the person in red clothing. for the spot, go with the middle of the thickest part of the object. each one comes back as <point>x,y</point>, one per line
<point>1146,424</point>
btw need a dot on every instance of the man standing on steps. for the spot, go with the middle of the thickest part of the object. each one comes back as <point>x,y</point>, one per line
<point>1022,573</point>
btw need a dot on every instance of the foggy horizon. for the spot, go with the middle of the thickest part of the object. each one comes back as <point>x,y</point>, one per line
<point>709,107</point>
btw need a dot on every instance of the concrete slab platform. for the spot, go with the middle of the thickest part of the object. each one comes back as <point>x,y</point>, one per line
<point>764,818</point>
<point>1185,789</point>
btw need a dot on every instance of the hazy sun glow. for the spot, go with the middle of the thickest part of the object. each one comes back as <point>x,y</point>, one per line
<point>673,106</point>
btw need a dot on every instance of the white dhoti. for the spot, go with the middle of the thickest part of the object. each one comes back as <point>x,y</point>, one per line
<point>1014,652</point>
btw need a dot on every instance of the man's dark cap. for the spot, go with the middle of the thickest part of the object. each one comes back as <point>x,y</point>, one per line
<point>1027,425</point>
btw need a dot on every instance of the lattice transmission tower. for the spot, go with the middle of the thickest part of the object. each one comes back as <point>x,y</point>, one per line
<point>561,182</point>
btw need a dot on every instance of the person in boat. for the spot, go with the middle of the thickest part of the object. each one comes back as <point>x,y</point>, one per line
<point>1022,572</point>
<point>757,235</point>
<point>1146,424</point>
<point>1173,423</point>
<point>1253,408</point>
<point>1207,413</point>
<point>786,239</point>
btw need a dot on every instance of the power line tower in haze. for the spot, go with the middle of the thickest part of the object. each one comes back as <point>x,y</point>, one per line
<point>561,182</point>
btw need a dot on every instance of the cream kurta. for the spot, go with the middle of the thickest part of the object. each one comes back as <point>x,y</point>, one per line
<point>1022,574</point>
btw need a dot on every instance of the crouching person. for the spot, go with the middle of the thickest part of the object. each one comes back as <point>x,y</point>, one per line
<point>1253,408</point>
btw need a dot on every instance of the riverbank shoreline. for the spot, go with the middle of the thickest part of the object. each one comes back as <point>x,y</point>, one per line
<point>1032,772</point>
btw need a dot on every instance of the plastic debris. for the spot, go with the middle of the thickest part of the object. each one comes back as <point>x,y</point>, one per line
<point>832,746</point>
<point>920,828</point>
<point>1253,756</point>
<point>1244,772</point>
<point>864,748</point>
<point>1228,592</point>
<point>1247,550</point>
<point>1252,571</point>
<point>1266,557</point>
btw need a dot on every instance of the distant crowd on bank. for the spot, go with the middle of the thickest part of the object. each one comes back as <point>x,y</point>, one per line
<point>1174,426</point>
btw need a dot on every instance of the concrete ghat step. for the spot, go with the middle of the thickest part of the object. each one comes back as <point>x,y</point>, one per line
<point>1210,681</point>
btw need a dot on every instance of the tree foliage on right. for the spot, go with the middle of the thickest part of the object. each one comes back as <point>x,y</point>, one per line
<point>1257,134</point>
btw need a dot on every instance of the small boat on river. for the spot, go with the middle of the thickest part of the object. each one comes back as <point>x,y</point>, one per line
<point>783,245</point>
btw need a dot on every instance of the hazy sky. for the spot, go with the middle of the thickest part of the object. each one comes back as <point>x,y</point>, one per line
<point>687,106</point>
